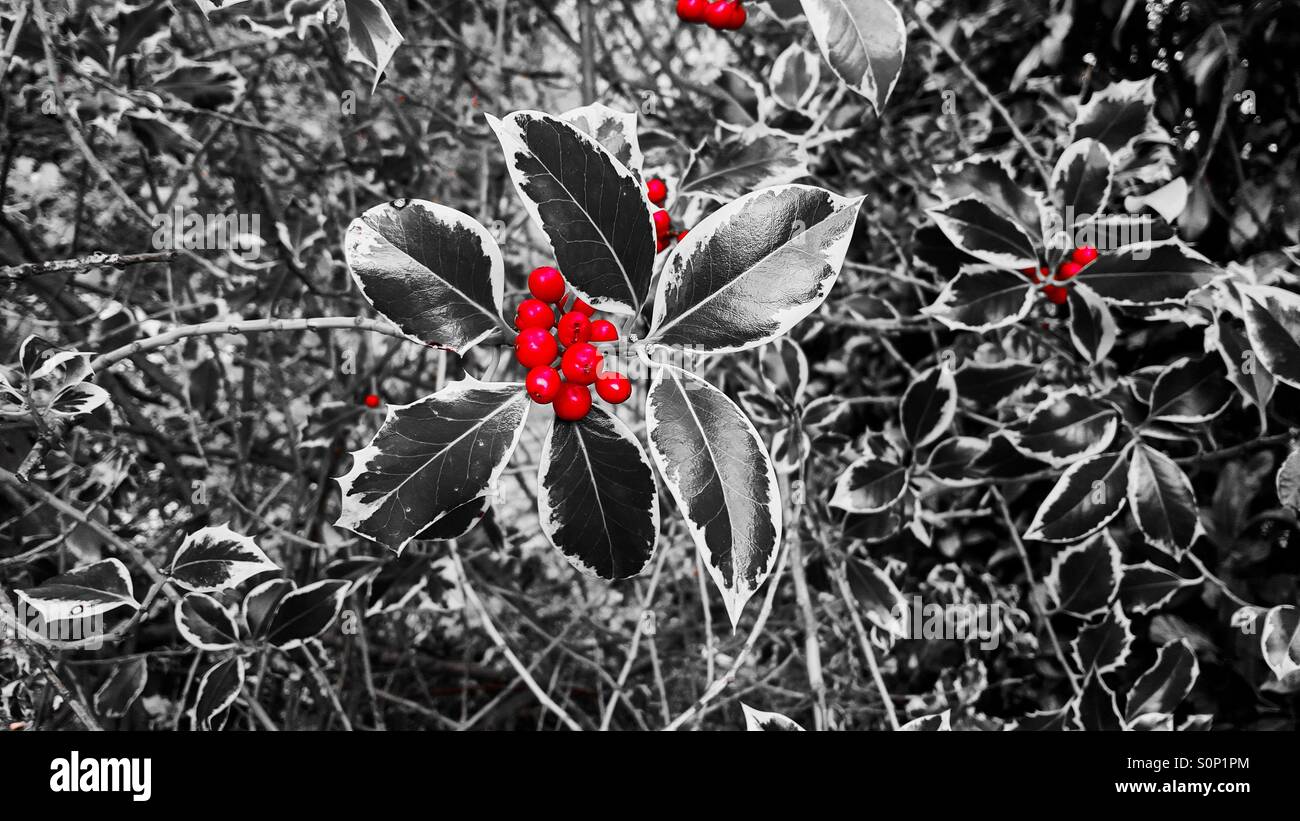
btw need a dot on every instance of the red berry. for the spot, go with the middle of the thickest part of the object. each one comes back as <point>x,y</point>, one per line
<point>718,15</point>
<point>657,190</point>
<point>583,308</point>
<point>692,11</point>
<point>533,313</point>
<point>581,363</point>
<point>543,384</point>
<point>737,18</point>
<point>371,400</point>
<point>1084,255</point>
<point>602,330</point>
<point>661,244</point>
<point>573,329</point>
<point>1031,273</point>
<point>572,402</point>
<point>613,387</point>
<point>546,283</point>
<point>662,223</point>
<point>1067,270</point>
<point>1056,294</point>
<point>535,347</point>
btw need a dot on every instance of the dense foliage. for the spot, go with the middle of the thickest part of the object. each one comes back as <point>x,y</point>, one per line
<point>964,365</point>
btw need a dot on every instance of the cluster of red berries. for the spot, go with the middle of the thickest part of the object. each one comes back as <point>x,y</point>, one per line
<point>719,14</point>
<point>656,190</point>
<point>1057,294</point>
<point>566,388</point>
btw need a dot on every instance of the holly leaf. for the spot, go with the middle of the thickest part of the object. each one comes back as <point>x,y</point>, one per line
<point>757,720</point>
<point>980,299</point>
<point>1081,182</point>
<point>613,129</point>
<point>928,406</point>
<point>717,470</point>
<point>878,596</point>
<point>754,268</point>
<point>217,558</point>
<point>1253,380</point>
<point>951,460</point>
<point>990,383</point>
<point>1164,686</point>
<point>1084,578</point>
<point>1118,114</point>
<point>1103,647</point>
<point>1190,391</point>
<point>591,207</point>
<point>1279,641</point>
<point>1092,326</point>
<point>218,689</point>
<point>1147,587</point>
<point>205,623</point>
<point>596,497</point>
<point>1163,503</point>
<point>260,604</point>
<point>434,272</point>
<point>758,157</point>
<point>1148,274</point>
<point>990,180</point>
<point>122,687</point>
<point>985,233</point>
<point>372,37</point>
<point>83,593</point>
<point>863,41</point>
<point>1064,428</point>
<point>796,74</point>
<point>431,457</point>
<point>870,485</point>
<point>1088,495</point>
<point>306,612</point>
<point>1273,325</point>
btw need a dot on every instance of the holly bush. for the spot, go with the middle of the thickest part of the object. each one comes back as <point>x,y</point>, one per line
<point>945,365</point>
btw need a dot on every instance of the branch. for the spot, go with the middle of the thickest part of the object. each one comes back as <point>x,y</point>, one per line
<point>57,266</point>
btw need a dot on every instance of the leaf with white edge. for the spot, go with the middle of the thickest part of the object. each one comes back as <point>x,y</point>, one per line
<point>928,406</point>
<point>1254,381</point>
<point>870,485</point>
<point>1085,577</point>
<point>431,457</point>
<point>991,383</point>
<point>880,599</point>
<point>218,689</point>
<point>990,179</point>
<point>1045,721</point>
<point>372,37</point>
<point>1152,722</point>
<point>1164,686</point>
<point>77,400</point>
<point>1081,182</point>
<point>980,299</point>
<point>1088,495</point>
<point>1103,647</point>
<point>1097,707</point>
<point>592,208</point>
<point>1190,391</point>
<point>1148,274</point>
<point>863,41</point>
<point>717,470</point>
<point>1065,428</point>
<point>596,497</point>
<point>757,720</point>
<point>1118,114</point>
<point>784,369</point>
<point>1162,500</point>
<point>1287,480</point>
<point>790,446</point>
<point>614,129</point>
<point>47,366</point>
<point>122,687</point>
<point>758,157</point>
<point>795,76</point>
<point>751,270</point>
<point>306,612</point>
<point>1273,324</point>
<point>217,558</point>
<point>984,233</point>
<point>260,604</point>
<point>83,593</point>
<point>458,521</point>
<point>937,722</point>
<point>205,623</point>
<point>434,272</point>
<point>1279,641</point>
<point>950,461</point>
<point>1147,587</point>
<point>1092,326</point>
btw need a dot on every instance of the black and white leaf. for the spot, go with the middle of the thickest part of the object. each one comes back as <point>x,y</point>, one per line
<point>430,458</point>
<point>1081,183</point>
<point>1148,273</point>
<point>1191,391</point>
<point>596,497</point>
<point>1147,587</point>
<point>717,470</point>
<point>613,129</point>
<point>951,460</point>
<point>989,383</point>
<point>1118,114</point>
<point>217,558</point>
<point>1097,707</point>
<point>784,368</point>
<point>1088,495</point>
<point>796,73</point>
<point>1164,686</point>
<point>991,179</point>
<point>205,623</point>
<point>1092,326</point>
<point>757,720</point>
<point>1084,578</point>
<point>84,593</point>
<point>879,598</point>
<point>1279,642</point>
<point>306,612</point>
<point>978,229</point>
<point>122,687</point>
<point>758,157</point>
<point>870,485</point>
<point>1273,325</point>
<point>434,272</point>
<point>218,689</point>
<point>982,298</point>
<point>78,399</point>
<point>1287,481</point>
<point>863,41</point>
<point>1065,428</point>
<point>928,406</point>
<point>591,207</point>
<point>1103,647</point>
<point>1244,368</point>
<point>260,604</point>
<point>1162,500</point>
<point>754,268</point>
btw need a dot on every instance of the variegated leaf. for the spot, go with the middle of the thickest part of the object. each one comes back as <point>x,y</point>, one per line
<point>870,485</point>
<point>987,234</point>
<point>758,157</point>
<point>1103,647</point>
<point>1081,183</point>
<point>1148,274</point>
<point>1162,500</point>
<point>205,623</point>
<point>863,41</point>
<point>83,593</point>
<point>1064,428</point>
<point>1092,326</point>
<point>1147,587</point>
<point>757,720</point>
<point>217,558</point>
<point>936,722</point>
<point>613,129</point>
<point>1163,687</point>
<point>1190,391</point>
<point>981,298</point>
<point>1273,324</point>
<point>1085,578</point>
<point>928,406</point>
<point>306,612</point>
<point>218,689</point>
<point>122,687</point>
<point>1088,495</point>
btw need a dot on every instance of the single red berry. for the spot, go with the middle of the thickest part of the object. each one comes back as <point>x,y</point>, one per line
<point>543,384</point>
<point>602,330</point>
<point>737,17</point>
<point>718,15</point>
<point>535,347</point>
<point>656,190</point>
<point>581,363</point>
<point>1067,270</point>
<point>613,387</point>
<point>572,402</point>
<point>583,308</point>
<point>692,11</point>
<point>662,243</point>
<point>546,283</point>
<point>1056,294</point>
<point>573,329</point>
<point>533,313</point>
<point>662,223</point>
<point>1084,255</point>
<point>371,400</point>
